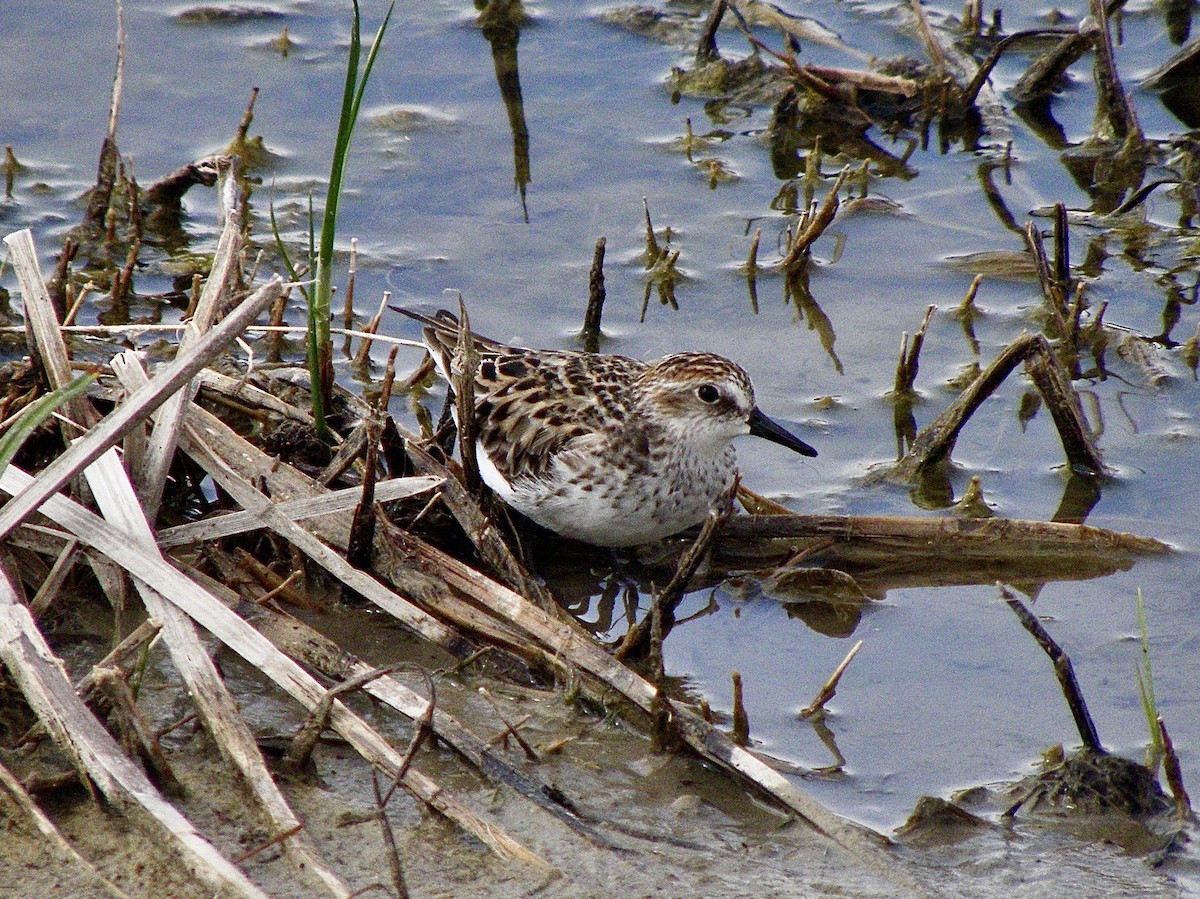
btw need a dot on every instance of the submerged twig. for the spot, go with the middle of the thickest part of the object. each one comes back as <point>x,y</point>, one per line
<point>305,741</point>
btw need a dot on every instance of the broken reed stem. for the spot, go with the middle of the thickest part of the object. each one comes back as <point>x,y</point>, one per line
<point>462,371</point>
<point>10,170</point>
<point>935,442</point>
<point>1054,384</point>
<point>740,734</point>
<point>243,127</point>
<point>1063,670</point>
<point>706,47</point>
<point>281,837</point>
<point>360,550</point>
<point>351,278</point>
<point>910,354</point>
<point>283,587</point>
<point>371,328</point>
<point>595,307</point>
<point>813,224</point>
<point>137,736</point>
<point>653,251</point>
<point>422,728</point>
<point>1183,802</point>
<point>1051,289</point>
<point>829,690</point>
<point>1062,251</point>
<point>484,534</point>
<point>1113,106</point>
<point>937,55</point>
<point>752,270</point>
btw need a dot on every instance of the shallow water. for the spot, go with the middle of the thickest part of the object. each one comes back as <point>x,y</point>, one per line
<point>948,691</point>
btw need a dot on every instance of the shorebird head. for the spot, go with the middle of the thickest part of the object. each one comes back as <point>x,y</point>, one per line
<point>705,399</point>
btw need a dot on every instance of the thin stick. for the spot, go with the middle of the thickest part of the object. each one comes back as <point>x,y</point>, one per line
<point>752,270</point>
<point>305,740</point>
<point>595,307</point>
<point>740,734</point>
<point>828,691</point>
<point>462,370</point>
<point>389,839</point>
<point>906,369</point>
<point>1063,670</point>
<point>1183,802</point>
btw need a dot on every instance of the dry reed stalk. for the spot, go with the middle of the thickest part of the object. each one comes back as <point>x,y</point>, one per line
<point>160,451</point>
<point>130,414</point>
<point>295,510</point>
<point>829,690</point>
<point>218,709</point>
<point>234,632</point>
<point>240,389</point>
<point>41,676</point>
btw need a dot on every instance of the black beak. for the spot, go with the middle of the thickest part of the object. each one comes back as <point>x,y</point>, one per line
<point>761,426</point>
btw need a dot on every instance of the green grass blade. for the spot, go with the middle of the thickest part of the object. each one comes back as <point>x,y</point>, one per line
<point>282,247</point>
<point>1145,682</point>
<point>370,64</point>
<point>319,344</point>
<point>35,413</point>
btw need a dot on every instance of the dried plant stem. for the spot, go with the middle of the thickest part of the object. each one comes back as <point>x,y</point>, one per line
<point>813,226</point>
<point>740,733</point>
<point>595,307</point>
<point>1183,802</point>
<point>463,367</point>
<point>1063,670</point>
<point>829,690</point>
<point>910,354</point>
<point>305,741</point>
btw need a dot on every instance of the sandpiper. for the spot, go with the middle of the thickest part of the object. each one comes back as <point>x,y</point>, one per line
<point>603,448</point>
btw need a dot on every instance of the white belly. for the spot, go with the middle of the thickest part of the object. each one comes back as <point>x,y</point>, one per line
<point>616,508</point>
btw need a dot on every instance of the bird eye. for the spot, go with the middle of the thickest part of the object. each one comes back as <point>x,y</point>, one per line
<point>708,393</point>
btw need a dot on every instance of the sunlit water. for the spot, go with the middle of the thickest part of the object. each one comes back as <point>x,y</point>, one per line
<point>948,690</point>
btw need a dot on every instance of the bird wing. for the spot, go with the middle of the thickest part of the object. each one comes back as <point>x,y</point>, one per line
<point>531,405</point>
<point>534,405</point>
